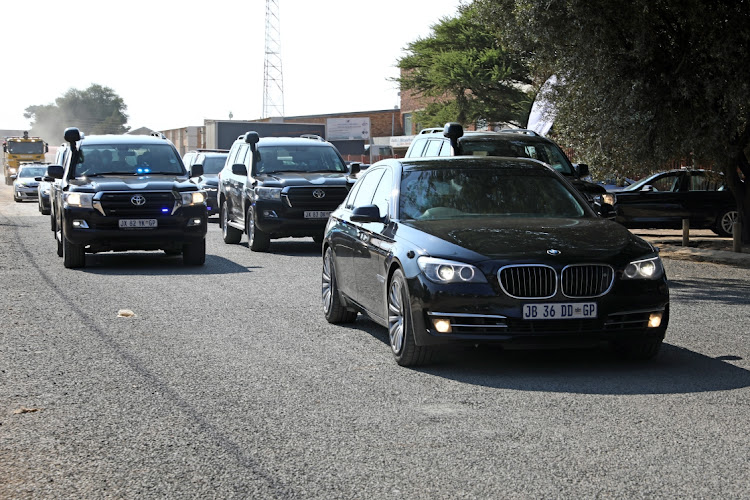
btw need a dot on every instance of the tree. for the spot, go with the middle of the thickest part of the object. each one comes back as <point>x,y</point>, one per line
<point>467,72</point>
<point>96,110</point>
<point>643,82</point>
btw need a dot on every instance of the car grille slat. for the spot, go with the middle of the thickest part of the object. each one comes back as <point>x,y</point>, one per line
<point>536,282</point>
<point>120,204</point>
<point>586,280</point>
<point>304,197</point>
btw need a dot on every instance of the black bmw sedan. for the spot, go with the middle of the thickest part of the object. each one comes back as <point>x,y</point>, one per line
<point>488,250</point>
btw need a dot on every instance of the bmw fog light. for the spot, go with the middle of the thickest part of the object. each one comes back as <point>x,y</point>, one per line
<point>654,320</point>
<point>442,325</point>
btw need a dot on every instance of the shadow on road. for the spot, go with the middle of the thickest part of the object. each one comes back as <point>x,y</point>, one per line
<point>727,291</point>
<point>675,370</point>
<point>157,264</point>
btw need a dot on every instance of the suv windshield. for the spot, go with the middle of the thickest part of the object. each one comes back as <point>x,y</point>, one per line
<point>299,159</point>
<point>518,148</point>
<point>125,159</point>
<point>213,164</point>
<point>484,192</point>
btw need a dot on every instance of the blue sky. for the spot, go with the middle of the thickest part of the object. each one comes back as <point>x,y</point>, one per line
<point>178,63</point>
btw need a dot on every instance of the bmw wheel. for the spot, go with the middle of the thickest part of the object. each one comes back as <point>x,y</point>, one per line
<point>333,307</point>
<point>401,326</point>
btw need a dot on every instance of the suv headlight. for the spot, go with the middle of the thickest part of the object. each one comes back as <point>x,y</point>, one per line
<point>646,269</point>
<point>193,198</point>
<point>266,193</point>
<point>447,271</point>
<point>609,198</point>
<point>81,200</point>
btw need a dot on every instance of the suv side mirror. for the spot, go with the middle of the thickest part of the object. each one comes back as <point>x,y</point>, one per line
<point>355,168</point>
<point>239,169</point>
<point>366,213</point>
<point>55,171</point>
<point>581,169</point>
<point>196,170</point>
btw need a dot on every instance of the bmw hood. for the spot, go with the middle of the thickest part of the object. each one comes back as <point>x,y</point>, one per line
<point>590,239</point>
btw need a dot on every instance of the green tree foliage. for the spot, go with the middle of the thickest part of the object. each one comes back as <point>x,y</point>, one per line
<point>467,71</point>
<point>642,82</point>
<point>96,110</point>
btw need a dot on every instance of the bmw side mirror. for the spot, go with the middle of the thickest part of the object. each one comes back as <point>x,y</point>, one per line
<point>366,213</point>
<point>648,188</point>
<point>239,169</point>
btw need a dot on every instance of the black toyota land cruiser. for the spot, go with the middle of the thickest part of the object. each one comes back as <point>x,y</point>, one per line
<point>279,187</point>
<point>126,192</point>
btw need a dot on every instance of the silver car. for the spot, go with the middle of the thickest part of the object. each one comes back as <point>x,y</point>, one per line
<point>25,185</point>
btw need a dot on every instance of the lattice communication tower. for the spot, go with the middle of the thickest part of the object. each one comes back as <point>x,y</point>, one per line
<point>273,78</point>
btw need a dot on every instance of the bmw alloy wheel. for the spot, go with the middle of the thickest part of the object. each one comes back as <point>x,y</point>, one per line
<point>396,316</point>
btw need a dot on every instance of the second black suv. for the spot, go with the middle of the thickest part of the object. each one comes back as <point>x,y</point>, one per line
<point>125,192</point>
<point>520,143</point>
<point>210,161</point>
<point>278,187</point>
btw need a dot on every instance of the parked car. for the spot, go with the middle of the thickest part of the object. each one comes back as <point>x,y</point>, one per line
<point>211,163</point>
<point>488,250</point>
<point>279,187</point>
<point>25,185</point>
<point>126,192</point>
<point>452,140</point>
<point>664,199</point>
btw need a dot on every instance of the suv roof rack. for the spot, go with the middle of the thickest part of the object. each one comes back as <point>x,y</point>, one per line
<point>523,131</point>
<point>313,137</point>
<point>432,130</point>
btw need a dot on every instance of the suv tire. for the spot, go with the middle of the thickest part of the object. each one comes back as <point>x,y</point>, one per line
<point>73,255</point>
<point>257,239</point>
<point>231,235</point>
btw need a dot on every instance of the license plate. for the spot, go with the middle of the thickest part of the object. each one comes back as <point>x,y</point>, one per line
<point>317,214</point>
<point>577,310</point>
<point>138,223</point>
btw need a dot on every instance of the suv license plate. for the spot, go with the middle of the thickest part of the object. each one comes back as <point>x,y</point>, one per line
<point>138,223</point>
<point>577,310</point>
<point>317,214</point>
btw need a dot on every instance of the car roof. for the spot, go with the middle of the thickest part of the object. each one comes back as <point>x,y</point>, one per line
<point>292,141</point>
<point>447,162</point>
<point>123,139</point>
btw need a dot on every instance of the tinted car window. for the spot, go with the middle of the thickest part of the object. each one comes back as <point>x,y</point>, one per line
<point>472,192</point>
<point>518,148</point>
<point>299,159</point>
<point>367,186</point>
<point>213,164</point>
<point>98,159</point>
<point>433,147</point>
<point>383,193</point>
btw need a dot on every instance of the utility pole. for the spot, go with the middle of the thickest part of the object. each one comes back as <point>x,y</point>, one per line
<point>273,79</point>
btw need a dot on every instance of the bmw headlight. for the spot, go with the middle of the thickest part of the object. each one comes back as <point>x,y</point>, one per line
<point>193,198</point>
<point>646,269</point>
<point>447,271</point>
<point>266,193</point>
<point>81,200</point>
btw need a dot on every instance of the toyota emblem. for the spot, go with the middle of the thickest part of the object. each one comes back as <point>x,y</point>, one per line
<point>319,193</point>
<point>138,200</point>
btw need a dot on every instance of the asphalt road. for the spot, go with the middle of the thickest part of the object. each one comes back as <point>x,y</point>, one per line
<point>229,383</point>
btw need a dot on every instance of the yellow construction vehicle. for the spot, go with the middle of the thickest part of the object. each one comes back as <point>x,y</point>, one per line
<point>21,149</point>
